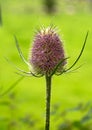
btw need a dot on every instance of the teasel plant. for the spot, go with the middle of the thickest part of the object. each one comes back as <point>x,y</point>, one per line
<point>46,58</point>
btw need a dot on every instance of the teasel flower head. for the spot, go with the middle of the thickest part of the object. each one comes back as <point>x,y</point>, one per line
<point>47,56</point>
<point>47,52</point>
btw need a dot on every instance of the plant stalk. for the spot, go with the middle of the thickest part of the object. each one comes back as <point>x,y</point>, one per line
<point>0,16</point>
<point>48,99</point>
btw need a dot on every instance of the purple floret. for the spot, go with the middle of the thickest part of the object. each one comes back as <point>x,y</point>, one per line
<point>47,52</point>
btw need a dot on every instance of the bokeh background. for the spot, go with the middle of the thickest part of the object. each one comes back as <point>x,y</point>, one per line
<point>23,108</point>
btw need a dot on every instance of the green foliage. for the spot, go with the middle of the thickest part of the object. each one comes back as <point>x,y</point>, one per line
<point>50,5</point>
<point>83,123</point>
<point>61,118</point>
<point>12,120</point>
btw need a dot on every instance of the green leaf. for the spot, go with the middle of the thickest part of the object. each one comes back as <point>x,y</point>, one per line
<point>20,52</point>
<point>12,86</point>
<point>80,54</point>
<point>56,67</point>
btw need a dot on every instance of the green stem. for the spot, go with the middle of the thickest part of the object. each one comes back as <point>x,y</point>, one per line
<point>0,16</point>
<point>48,99</point>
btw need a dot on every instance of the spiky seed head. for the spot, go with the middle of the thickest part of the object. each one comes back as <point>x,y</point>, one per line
<point>47,51</point>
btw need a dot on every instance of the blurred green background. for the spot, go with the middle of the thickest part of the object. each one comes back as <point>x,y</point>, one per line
<point>27,100</point>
